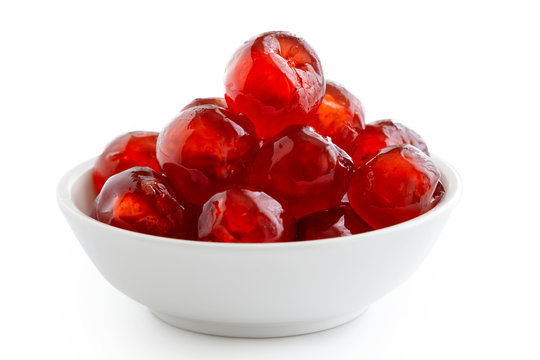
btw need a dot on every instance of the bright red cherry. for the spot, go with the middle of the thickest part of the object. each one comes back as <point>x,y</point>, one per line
<point>394,186</point>
<point>383,133</point>
<point>204,150</point>
<point>137,148</point>
<point>305,169</point>
<point>340,116</point>
<point>276,80</point>
<point>329,223</point>
<point>140,199</point>
<point>245,215</point>
<point>207,101</point>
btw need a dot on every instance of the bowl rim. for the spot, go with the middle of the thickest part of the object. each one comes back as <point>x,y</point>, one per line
<point>449,177</point>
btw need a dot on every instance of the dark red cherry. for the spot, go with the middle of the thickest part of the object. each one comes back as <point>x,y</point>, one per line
<point>329,223</point>
<point>305,169</point>
<point>396,185</point>
<point>245,215</point>
<point>204,150</point>
<point>140,199</point>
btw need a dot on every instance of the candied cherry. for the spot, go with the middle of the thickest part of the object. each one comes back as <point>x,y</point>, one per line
<point>305,169</point>
<point>340,116</point>
<point>383,133</point>
<point>204,150</point>
<point>245,215</point>
<point>207,101</point>
<point>140,199</point>
<point>329,223</point>
<point>276,80</point>
<point>396,185</point>
<point>137,148</point>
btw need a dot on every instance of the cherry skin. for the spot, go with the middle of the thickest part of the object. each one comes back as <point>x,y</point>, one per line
<point>305,169</point>
<point>137,148</point>
<point>142,200</point>
<point>204,150</point>
<point>329,223</point>
<point>207,101</point>
<point>245,215</point>
<point>383,133</point>
<point>276,80</point>
<point>340,116</point>
<point>396,185</point>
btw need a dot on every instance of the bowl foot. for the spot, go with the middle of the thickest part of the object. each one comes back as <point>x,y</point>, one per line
<point>249,330</point>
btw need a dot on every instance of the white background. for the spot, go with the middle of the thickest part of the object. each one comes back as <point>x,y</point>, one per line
<point>465,74</point>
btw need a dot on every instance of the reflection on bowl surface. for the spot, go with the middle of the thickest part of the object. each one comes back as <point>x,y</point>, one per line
<point>254,290</point>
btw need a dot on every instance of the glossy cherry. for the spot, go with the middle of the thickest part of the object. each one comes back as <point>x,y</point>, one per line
<point>137,148</point>
<point>207,101</point>
<point>305,169</point>
<point>396,185</point>
<point>142,200</point>
<point>276,80</point>
<point>245,215</point>
<point>329,223</point>
<point>340,116</point>
<point>383,133</point>
<point>205,149</point>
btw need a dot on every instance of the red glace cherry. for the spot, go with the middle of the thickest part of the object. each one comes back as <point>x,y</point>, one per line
<point>140,199</point>
<point>205,149</point>
<point>383,133</point>
<point>137,148</point>
<point>276,80</point>
<point>305,169</point>
<point>245,215</point>
<point>329,223</point>
<point>207,101</point>
<point>340,116</point>
<point>396,185</point>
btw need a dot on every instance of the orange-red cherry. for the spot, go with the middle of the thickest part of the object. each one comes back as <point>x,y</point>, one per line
<point>137,148</point>
<point>383,133</point>
<point>340,116</point>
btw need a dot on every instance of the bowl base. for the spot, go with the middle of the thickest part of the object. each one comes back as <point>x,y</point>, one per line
<point>247,330</point>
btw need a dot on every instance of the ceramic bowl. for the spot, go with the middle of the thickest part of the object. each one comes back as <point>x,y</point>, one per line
<point>254,290</point>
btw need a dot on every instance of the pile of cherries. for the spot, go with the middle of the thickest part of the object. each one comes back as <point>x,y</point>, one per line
<point>284,156</point>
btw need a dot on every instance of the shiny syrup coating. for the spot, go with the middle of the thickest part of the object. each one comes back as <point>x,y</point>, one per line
<point>396,185</point>
<point>276,80</point>
<point>383,133</point>
<point>142,200</point>
<point>137,148</point>
<point>340,116</point>
<point>335,222</point>
<point>207,101</point>
<point>245,215</point>
<point>305,169</point>
<point>204,150</point>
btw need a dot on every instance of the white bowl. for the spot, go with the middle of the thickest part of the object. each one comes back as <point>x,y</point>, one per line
<point>254,290</point>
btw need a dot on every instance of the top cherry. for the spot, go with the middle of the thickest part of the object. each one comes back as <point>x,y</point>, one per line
<point>276,80</point>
